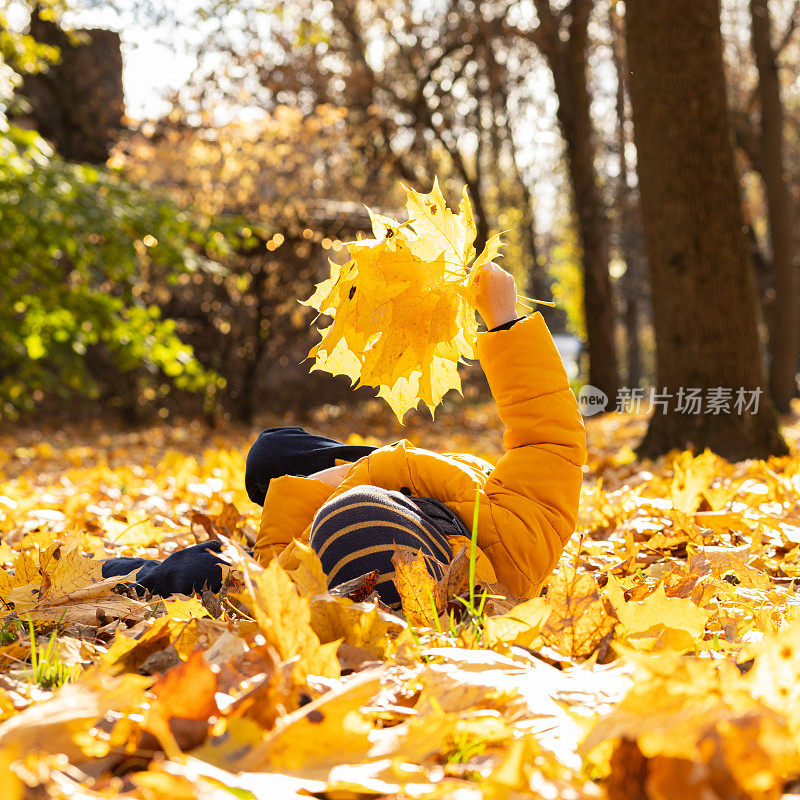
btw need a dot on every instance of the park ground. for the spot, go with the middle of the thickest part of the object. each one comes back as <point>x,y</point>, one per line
<point>663,658</point>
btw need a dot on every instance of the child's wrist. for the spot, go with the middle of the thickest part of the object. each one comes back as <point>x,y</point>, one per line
<point>501,318</point>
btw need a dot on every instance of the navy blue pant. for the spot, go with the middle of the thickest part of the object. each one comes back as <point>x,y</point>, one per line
<point>185,572</point>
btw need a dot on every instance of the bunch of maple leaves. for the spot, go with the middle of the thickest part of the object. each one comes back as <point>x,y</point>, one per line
<point>404,304</point>
<point>663,660</point>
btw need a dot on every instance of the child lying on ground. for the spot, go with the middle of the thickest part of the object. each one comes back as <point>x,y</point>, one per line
<point>355,515</point>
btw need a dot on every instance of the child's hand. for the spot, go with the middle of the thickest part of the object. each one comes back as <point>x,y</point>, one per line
<point>496,295</point>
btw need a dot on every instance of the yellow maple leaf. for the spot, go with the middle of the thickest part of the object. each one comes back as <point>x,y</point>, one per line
<point>657,621</point>
<point>127,653</point>
<point>305,569</point>
<point>361,625</point>
<point>403,307</point>
<point>519,626</point>
<point>418,590</point>
<point>692,478</point>
<point>331,730</point>
<point>437,226</point>
<point>578,621</point>
<point>699,718</point>
<point>25,571</point>
<point>284,618</point>
<point>774,676</point>
<point>62,723</point>
<point>63,586</point>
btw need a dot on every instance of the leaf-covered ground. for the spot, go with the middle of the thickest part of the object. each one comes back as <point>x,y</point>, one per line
<point>662,662</point>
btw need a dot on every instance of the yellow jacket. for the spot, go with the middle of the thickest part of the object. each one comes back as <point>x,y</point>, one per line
<point>528,502</point>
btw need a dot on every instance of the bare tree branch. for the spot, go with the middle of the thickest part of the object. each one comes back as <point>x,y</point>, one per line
<point>791,27</point>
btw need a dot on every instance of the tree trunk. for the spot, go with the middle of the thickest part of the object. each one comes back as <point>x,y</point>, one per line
<point>632,284</point>
<point>568,62</point>
<point>480,214</point>
<point>633,288</point>
<point>703,296</point>
<point>784,343</point>
<point>78,102</point>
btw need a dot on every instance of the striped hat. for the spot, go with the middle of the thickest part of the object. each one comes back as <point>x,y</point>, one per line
<point>360,530</point>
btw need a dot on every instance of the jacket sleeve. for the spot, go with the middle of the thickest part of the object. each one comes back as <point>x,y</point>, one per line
<point>289,508</point>
<point>528,504</point>
<point>534,489</point>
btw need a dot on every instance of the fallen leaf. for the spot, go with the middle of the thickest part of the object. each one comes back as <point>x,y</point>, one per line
<point>329,731</point>
<point>519,626</point>
<point>418,589</point>
<point>692,478</point>
<point>456,576</point>
<point>361,625</point>
<point>578,620</point>
<point>304,568</point>
<point>55,725</point>
<point>284,619</point>
<point>186,693</point>
<point>657,621</point>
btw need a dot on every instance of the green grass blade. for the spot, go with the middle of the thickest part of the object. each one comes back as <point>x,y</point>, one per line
<point>473,549</point>
<point>435,611</point>
<point>34,654</point>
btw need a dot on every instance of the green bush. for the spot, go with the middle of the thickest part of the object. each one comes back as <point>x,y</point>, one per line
<point>80,247</point>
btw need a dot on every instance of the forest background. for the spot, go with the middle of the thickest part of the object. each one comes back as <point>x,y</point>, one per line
<point>153,265</point>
